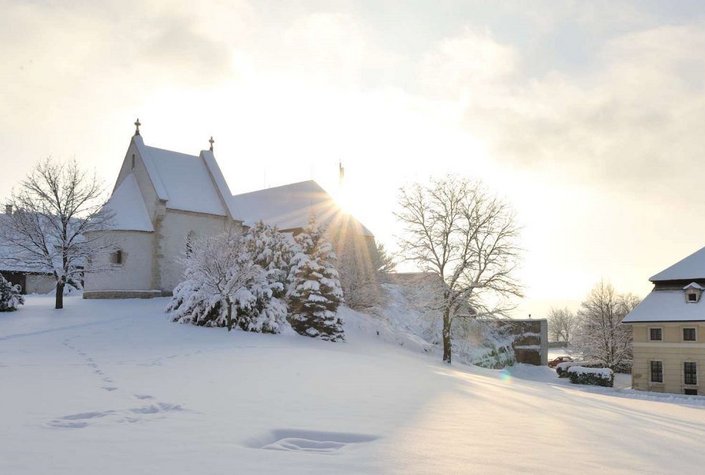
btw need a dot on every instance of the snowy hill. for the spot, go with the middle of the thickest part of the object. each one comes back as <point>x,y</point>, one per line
<point>115,387</point>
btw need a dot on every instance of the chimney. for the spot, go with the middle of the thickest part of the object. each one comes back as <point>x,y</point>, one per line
<point>8,209</point>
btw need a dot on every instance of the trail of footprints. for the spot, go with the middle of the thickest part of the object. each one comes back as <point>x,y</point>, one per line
<point>131,415</point>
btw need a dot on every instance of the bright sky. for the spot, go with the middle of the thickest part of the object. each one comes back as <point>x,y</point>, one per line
<point>588,117</point>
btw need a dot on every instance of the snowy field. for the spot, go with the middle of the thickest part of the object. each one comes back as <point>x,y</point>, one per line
<point>107,387</point>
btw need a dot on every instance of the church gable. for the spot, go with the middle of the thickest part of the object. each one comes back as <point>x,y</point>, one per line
<point>176,180</point>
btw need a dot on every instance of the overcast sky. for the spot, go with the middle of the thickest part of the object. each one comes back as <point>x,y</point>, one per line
<point>588,117</point>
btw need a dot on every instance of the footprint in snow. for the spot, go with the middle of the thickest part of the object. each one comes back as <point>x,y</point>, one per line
<point>294,440</point>
<point>135,414</point>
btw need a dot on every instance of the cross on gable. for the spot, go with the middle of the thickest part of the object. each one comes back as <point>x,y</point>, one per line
<point>137,127</point>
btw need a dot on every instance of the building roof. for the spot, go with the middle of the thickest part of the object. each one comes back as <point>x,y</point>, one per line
<point>127,205</point>
<point>667,306</point>
<point>10,256</point>
<point>689,268</point>
<point>290,206</point>
<point>186,180</point>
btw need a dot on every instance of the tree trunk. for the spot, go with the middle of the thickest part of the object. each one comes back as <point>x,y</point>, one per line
<point>59,303</point>
<point>229,317</point>
<point>446,337</point>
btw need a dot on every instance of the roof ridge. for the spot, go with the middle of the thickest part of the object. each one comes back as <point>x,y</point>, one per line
<point>281,186</point>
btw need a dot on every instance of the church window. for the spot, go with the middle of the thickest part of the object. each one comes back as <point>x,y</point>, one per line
<point>133,161</point>
<point>116,257</point>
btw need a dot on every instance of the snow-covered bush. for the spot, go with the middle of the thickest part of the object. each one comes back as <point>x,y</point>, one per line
<point>221,283</point>
<point>315,292</point>
<point>236,281</point>
<point>593,376</point>
<point>562,368</point>
<point>10,296</point>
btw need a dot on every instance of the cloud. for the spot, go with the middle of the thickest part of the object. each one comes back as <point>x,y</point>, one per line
<point>634,120</point>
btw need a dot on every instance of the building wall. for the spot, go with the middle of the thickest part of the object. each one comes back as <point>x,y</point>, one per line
<point>135,273</point>
<point>40,283</point>
<point>172,233</point>
<point>672,351</point>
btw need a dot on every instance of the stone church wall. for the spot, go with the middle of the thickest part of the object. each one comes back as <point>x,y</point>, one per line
<point>174,231</point>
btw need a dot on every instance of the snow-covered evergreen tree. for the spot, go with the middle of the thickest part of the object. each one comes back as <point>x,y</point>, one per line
<point>315,292</point>
<point>272,252</point>
<point>10,296</point>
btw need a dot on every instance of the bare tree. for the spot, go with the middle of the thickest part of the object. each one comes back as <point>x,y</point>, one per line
<point>362,266</point>
<point>459,232</point>
<point>57,207</point>
<point>601,334</point>
<point>561,324</point>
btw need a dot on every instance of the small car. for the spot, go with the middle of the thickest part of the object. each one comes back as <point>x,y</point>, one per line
<point>561,359</point>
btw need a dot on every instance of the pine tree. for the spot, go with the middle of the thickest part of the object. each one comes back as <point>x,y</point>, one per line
<point>272,252</point>
<point>315,291</point>
<point>10,296</point>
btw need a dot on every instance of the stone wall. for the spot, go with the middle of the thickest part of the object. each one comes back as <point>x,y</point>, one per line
<point>530,339</point>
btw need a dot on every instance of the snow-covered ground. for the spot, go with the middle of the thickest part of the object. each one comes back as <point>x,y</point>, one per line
<point>106,387</point>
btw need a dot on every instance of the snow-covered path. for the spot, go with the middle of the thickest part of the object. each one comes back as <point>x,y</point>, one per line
<point>114,387</point>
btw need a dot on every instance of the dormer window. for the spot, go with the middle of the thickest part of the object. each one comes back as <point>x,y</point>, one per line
<point>693,291</point>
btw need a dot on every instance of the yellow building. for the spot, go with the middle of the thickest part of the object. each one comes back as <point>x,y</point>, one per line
<point>669,330</point>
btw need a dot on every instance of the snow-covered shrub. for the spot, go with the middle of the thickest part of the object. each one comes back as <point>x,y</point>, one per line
<point>593,376</point>
<point>221,282</point>
<point>10,296</point>
<point>562,368</point>
<point>232,280</point>
<point>315,291</point>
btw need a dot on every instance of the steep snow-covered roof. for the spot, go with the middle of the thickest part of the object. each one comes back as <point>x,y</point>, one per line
<point>127,204</point>
<point>692,267</point>
<point>186,181</point>
<point>290,206</point>
<point>667,306</point>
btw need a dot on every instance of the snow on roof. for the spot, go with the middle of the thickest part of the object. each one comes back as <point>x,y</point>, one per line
<point>692,267</point>
<point>188,184</point>
<point>290,206</point>
<point>223,188</point>
<point>9,261</point>
<point>667,306</point>
<point>130,212</point>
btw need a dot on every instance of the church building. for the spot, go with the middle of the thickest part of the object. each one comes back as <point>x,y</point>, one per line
<point>163,201</point>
